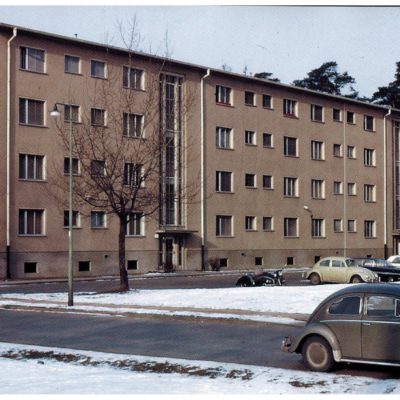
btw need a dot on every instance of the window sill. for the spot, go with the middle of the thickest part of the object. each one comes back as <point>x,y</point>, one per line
<point>268,230</point>
<point>318,237</point>
<point>251,144</point>
<point>73,73</point>
<point>291,237</point>
<point>268,108</point>
<point>32,235</point>
<point>370,130</point>
<point>34,72</point>
<point>135,236</point>
<point>224,105</point>
<point>225,237</point>
<point>291,197</point>
<point>99,228</point>
<point>33,125</point>
<point>268,189</point>
<point>290,156</point>
<point>74,227</point>
<point>99,77</point>
<point>224,192</point>
<point>317,159</point>
<point>32,180</point>
<point>251,187</point>
<point>318,122</point>
<point>136,89</point>
<point>225,148</point>
<point>337,120</point>
<point>250,105</point>
<point>268,147</point>
<point>292,116</point>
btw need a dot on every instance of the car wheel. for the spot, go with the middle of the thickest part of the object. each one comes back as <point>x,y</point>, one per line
<point>356,279</point>
<point>315,279</point>
<point>317,354</point>
<point>244,283</point>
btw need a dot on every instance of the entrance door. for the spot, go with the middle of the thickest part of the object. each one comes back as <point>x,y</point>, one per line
<point>169,253</point>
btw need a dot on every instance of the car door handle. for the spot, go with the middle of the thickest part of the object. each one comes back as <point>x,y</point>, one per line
<point>366,324</point>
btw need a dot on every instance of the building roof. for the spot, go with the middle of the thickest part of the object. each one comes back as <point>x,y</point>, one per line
<point>200,68</point>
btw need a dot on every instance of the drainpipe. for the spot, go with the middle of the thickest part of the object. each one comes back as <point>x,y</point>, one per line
<point>202,171</point>
<point>8,241</point>
<point>344,183</point>
<point>385,249</point>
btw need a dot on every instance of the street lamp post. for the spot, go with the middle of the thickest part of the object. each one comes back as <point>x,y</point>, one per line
<point>56,114</point>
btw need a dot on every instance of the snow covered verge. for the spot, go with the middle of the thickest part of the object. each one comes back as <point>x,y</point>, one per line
<point>43,370</point>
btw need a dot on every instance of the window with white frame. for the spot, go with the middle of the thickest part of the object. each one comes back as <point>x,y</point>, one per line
<point>337,187</point>
<point>32,59</point>
<point>72,64</point>
<point>98,117</point>
<point>132,125</point>
<point>337,225</point>
<point>135,224</point>
<point>369,157</point>
<point>337,150</point>
<point>369,193</point>
<point>249,98</point>
<point>317,189</point>
<point>268,224</point>
<point>290,187</point>
<point>290,228</point>
<point>337,115</point>
<point>223,95</point>
<point>31,167</point>
<point>369,123</point>
<point>290,146</point>
<point>97,219</point>
<point>318,227</point>
<point>267,140</point>
<point>250,138</point>
<point>317,150</point>
<point>290,108</point>
<point>75,166</point>
<point>223,138</point>
<point>250,223</point>
<point>98,69</point>
<point>266,101</point>
<point>133,174</point>
<point>350,117</point>
<point>351,225</point>
<point>31,112</point>
<point>351,189</point>
<point>351,152</point>
<point>250,180</point>
<point>317,113</point>
<point>31,222</point>
<point>224,225</point>
<point>71,113</point>
<point>75,219</point>
<point>369,229</point>
<point>97,168</point>
<point>132,78</point>
<point>223,181</point>
<point>268,182</point>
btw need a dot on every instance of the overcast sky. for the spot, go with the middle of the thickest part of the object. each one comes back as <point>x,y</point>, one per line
<point>288,41</point>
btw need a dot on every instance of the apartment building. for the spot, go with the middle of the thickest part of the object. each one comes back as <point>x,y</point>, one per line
<point>279,175</point>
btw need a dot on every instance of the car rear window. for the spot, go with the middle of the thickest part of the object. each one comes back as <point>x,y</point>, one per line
<point>346,306</point>
<point>383,306</point>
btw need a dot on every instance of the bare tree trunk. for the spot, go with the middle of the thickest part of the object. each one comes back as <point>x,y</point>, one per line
<point>123,273</point>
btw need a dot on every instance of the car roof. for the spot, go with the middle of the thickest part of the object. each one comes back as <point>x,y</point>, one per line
<point>374,288</point>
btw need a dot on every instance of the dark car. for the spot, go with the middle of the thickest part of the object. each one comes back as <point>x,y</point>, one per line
<point>358,324</point>
<point>386,271</point>
<point>264,278</point>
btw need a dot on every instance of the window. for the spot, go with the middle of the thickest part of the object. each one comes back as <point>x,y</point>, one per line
<point>97,219</point>
<point>289,108</point>
<point>224,225</point>
<point>223,181</point>
<point>31,112</point>
<point>75,219</point>
<point>290,187</point>
<point>132,125</point>
<point>31,222</point>
<point>250,180</point>
<point>224,138</point>
<point>383,306</point>
<point>317,189</point>
<point>289,146</point>
<point>249,99</point>
<point>351,225</point>
<point>30,268</point>
<point>317,227</point>
<point>97,168</point>
<point>369,229</point>
<point>132,78</point>
<point>71,113</point>
<point>337,187</point>
<point>337,225</point>
<point>350,117</point>
<point>267,182</point>
<point>223,95</point>
<point>32,59</point>
<point>267,101</point>
<point>135,224</point>
<point>268,224</point>
<point>84,266</point>
<point>337,150</point>
<point>75,166</point>
<point>369,193</point>
<point>267,140</point>
<point>132,265</point>
<point>317,113</point>
<point>369,157</point>
<point>31,167</point>
<point>346,306</point>
<point>133,174</point>
<point>369,123</point>
<point>317,150</point>
<point>250,223</point>
<point>72,64</point>
<point>351,152</point>
<point>98,69</point>
<point>250,137</point>
<point>290,227</point>
<point>98,117</point>
<point>258,261</point>
<point>337,115</point>
<point>351,189</point>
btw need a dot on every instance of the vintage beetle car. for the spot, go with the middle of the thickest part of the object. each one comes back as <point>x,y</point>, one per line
<point>262,278</point>
<point>360,324</point>
<point>386,271</point>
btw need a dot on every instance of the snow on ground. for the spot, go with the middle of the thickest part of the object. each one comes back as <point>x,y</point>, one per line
<point>43,370</point>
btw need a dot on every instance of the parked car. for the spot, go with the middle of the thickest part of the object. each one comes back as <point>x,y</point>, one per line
<point>339,270</point>
<point>383,268</point>
<point>360,324</point>
<point>394,260</point>
<point>263,278</point>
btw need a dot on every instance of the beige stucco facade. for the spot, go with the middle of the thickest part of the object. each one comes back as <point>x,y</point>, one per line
<point>252,233</point>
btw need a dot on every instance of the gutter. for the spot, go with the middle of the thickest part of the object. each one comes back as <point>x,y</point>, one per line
<point>385,249</point>
<point>202,170</point>
<point>8,203</point>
